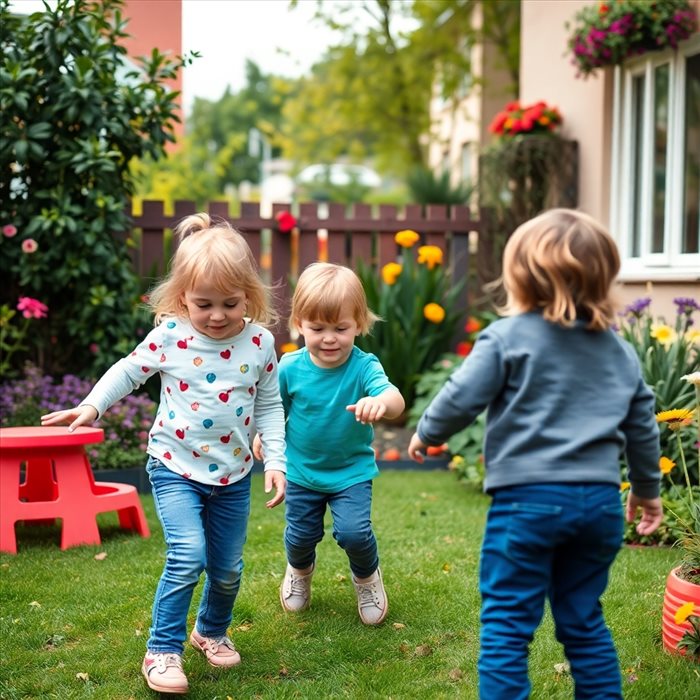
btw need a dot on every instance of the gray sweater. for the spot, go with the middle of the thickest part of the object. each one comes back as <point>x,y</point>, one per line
<point>563,405</point>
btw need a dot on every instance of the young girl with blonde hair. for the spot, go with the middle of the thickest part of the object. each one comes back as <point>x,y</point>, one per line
<point>218,373</point>
<point>565,399</point>
<point>332,392</point>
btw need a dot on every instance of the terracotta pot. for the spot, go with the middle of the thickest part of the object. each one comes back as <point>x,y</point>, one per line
<point>677,593</point>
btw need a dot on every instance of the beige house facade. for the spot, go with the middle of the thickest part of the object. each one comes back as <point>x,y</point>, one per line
<point>638,132</point>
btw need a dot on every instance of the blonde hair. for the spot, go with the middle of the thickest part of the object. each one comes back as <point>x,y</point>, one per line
<point>563,262</point>
<point>216,253</point>
<point>321,292</point>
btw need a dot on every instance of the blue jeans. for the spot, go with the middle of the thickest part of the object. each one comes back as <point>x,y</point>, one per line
<point>352,526</point>
<point>205,530</point>
<point>554,541</point>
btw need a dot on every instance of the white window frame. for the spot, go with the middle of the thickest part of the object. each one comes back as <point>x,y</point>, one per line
<point>670,264</point>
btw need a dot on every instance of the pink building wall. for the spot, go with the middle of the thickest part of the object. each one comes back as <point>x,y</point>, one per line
<point>156,24</point>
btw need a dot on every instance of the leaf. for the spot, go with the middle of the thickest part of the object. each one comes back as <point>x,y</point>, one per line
<point>34,604</point>
<point>423,650</point>
<point>562,668</point>
<point>455,674</point>
<point>82,676</point>
<point>101,556</point>
<point>398,625</point>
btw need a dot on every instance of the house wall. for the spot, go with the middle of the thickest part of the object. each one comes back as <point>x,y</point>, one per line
<point>157,24</point>
<point>546,73</point>
<point>466,122</point>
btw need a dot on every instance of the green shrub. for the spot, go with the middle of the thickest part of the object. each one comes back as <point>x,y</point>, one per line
<point>75,113</point>
<point>420,309</point>
<point>126,424</point>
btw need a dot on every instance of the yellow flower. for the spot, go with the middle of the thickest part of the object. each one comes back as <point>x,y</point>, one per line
<point>434,312</point>
<point>390,272</point>
<point>289,347</point>
<point>666,465</point>
<point>663,333</point>
<point>684,612</point>
<point>456,462</point>
<point>692,335</point>
<point>693,378</point>
<point>624,485</point>
<point>431,255</point>
<point>676,418</point>
<point>407,238</point>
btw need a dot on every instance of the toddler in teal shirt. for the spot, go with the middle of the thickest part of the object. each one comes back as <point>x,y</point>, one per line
<point>332,392</point>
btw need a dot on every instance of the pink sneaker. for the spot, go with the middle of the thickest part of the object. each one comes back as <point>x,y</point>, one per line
<point>220,653</point>
<point>163,672</point>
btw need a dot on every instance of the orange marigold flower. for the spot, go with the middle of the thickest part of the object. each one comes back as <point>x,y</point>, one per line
<point>430,255</point>
<point>434,312</point>
<point>407,238</point>
<point>666,465</point>
<point>684,612</point>
<point>472,325</point>
<point>390,272</point>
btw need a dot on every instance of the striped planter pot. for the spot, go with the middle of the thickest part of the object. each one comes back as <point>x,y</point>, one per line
<point>677,593</point>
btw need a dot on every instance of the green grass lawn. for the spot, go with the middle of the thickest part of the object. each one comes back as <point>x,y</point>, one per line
<point>72,626</point>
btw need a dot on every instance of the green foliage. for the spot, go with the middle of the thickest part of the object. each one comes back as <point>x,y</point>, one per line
<point>13,338</point>
<point>426,187</point>
<point>667,352</point>
<point>465,446</point>
<point>370,95</point>
<point>412,335</point>
<point>74,116</point>
<point>126,424</point>
<point>519,177</point>
<point>63,612</point>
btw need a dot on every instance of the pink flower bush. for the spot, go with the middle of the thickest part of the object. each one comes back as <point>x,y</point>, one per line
<point>29,246</point>
<point>8,230</point>
<point>32,308</point>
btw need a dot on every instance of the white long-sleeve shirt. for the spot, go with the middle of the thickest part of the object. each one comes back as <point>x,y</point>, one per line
<point>213,394</point>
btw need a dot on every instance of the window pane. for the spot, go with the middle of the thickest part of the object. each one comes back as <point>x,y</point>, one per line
<point>637,134</point>
<point>691,170</point>
<point>661,86</point>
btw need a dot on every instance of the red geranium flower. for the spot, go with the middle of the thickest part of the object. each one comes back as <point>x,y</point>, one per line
<point>286,221</point>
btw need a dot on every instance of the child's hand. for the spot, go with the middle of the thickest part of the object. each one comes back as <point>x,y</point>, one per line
<point>258,448</point>
<point>652,513</point>
<point>417,448</point>
<point>80,415</point>
<point>275,480</point>
<point>368,409</point>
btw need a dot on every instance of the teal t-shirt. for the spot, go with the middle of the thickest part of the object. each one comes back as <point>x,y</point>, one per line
<point>327,449</point>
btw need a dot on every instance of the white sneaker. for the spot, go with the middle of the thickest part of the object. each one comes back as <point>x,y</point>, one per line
<point>295,591</point>
<point>372,603</point>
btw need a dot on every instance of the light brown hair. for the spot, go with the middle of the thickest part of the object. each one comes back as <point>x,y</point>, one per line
<point>563,262</point>
<point>216,253</point>
<point>321,292</point>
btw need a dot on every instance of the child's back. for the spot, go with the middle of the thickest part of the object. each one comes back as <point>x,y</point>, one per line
<point>562,402</point>
<point>565,399</point>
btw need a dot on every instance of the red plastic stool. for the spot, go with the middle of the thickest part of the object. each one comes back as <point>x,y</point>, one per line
<point>59,484</point>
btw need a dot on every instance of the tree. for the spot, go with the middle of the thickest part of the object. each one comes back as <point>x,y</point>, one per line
<point>216,152</point>
<point>370,94</point>
<point>75,113</point>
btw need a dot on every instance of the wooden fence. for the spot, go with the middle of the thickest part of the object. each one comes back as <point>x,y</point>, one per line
<point>331,232</point>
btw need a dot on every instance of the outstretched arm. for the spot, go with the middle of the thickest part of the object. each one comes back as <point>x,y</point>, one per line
<point>370,409</point>
<point>75,417</point>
